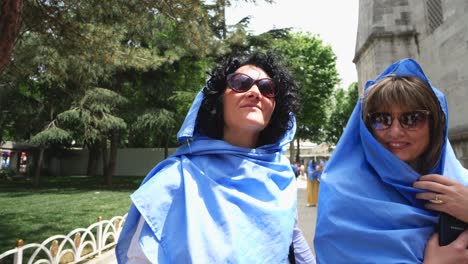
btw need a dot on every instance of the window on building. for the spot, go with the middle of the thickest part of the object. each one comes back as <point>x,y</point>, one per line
<point>434,14</point>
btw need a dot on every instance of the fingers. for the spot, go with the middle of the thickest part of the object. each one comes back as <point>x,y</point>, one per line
<point>435,183</point>
<point>425,196</point>
<point>438,179</point>
<point>431,196</point>
<point>432,204</point>
<point>436,207</point>
<point>462,240</point>
<point>455,252</point>
<point>434,240</point>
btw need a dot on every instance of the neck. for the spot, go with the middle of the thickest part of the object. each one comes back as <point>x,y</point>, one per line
<point>417,165</point>
<point>245,139</point>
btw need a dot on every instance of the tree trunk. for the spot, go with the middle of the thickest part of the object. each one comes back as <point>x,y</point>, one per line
<point>298,149</point>
<point>166,147</point>
<point>113,157</point>
<point>37,172</point>
<point>93,159</point>
<point>291,151</point>
<point>10,23</point>
<point>105,155</point>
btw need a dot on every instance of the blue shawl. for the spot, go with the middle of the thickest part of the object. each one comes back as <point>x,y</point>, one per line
<point>211,202</point>
<point>367,211</point>
<point>311,175</point>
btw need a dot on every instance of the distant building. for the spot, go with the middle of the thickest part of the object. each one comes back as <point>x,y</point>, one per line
<point>310,150</point>
<point>435,33</point>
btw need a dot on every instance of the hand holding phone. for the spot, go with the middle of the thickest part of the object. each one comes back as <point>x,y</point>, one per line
<point>450,228</point>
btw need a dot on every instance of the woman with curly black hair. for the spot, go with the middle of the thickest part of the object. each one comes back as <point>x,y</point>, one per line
<point>210,119</point>
<point>228,195</point>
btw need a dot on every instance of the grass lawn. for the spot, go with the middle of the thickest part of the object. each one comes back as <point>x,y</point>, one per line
<point>58,206</point>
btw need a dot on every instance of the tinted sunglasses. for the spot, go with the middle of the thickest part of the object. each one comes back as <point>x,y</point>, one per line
<point>241,83</point>
<point>412,120</point>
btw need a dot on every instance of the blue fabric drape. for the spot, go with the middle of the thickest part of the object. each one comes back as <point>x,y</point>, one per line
<point>211,202</point>
<point>367,210</point>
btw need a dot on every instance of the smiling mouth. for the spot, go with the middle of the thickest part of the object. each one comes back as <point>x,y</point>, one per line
<point>397,146</point>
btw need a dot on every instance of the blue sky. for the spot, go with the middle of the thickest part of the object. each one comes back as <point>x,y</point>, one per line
<point>334,21</point>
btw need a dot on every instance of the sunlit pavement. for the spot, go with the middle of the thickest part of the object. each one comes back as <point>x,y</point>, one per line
<point>307,218</point>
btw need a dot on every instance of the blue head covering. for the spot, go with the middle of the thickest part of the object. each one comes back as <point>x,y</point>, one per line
<point>211,202</point>
<point>367,211</point>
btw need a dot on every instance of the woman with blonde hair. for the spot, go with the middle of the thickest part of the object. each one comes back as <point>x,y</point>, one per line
<point>396,134</point>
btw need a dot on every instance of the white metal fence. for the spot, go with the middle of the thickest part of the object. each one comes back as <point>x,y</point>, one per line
<point>76,247</point>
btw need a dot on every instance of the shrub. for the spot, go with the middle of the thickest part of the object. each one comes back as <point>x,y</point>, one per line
<point>7,173</point>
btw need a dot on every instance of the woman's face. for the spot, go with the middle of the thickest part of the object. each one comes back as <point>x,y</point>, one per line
<point>406,144</point>
<point>250,111</point>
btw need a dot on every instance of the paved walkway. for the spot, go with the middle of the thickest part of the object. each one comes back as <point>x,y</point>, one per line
<point>307,218</point>
<point>107,258</point>
<point>307,215</point>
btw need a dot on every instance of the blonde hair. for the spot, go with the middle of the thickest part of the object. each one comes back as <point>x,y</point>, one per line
<point>409,93</point>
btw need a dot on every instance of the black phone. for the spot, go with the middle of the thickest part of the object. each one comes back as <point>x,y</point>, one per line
<point>450,228</point>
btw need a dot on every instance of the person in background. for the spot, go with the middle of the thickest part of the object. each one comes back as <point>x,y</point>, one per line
<point>323,162</point>
<point>295,169</point>
<point>311,166</point>
<point>228,195</point>
<point>313,172</point>
<point>396,134</point>
<point>302,170</point>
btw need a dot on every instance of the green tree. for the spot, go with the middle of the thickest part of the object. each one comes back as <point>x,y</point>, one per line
<point>345,100</point>
<point>170,89</point>
<point>50,136</point>
<point>67,48</point>
<point>196,21</point>
<point>313,65</point>
<point>81,45</point>
<point>32,92</point>
<point>34,96</point>
<point>95,118</point>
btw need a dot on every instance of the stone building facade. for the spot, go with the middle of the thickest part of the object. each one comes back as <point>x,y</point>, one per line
<point>434,33</point>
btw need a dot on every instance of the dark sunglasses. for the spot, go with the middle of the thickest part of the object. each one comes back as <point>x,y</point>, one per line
<point>412,120</point>
<point>241,83</point>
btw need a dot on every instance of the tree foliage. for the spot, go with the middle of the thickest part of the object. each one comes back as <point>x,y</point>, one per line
<point>125,72</point>
<point>313,66</point>
<point>169,90</point>
<point>344,103</point>
<point>95,115</point>
<point>95,120</point>
<point>155,54</point>
<point>50,136</point>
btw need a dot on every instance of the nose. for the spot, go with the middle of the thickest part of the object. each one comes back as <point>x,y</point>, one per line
<point>254,91</point>
<point>396,129</point>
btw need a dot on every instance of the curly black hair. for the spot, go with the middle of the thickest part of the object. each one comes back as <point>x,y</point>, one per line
<point>210,119</point>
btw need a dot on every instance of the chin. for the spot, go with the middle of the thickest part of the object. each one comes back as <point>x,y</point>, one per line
<point>408,160</point>
<point>257,125</point>
<point>403,158</point>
